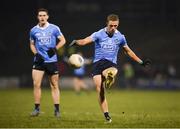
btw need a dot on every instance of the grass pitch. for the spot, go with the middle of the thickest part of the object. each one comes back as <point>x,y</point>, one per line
<point>127,108</point>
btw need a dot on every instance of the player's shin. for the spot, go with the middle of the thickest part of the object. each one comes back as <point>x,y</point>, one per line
<point>104,103</point>
<point>55,96</point>
<point>37,95</point>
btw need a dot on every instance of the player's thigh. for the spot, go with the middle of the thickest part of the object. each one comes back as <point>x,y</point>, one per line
<point>53,73</point>
<point>54,80</point>
<point>51,68</point>
<point>37,76</point>
<point>97,80</point>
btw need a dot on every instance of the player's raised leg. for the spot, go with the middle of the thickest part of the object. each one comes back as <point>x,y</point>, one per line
<point>37,77</point>
<point>101,96</point>
<point>109,75</point>
<point>54,83</point>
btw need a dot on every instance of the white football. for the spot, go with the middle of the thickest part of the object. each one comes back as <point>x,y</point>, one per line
<point>76,60</point>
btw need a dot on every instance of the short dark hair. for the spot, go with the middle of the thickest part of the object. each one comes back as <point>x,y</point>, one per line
<point>42,10</point>
<point>112,17</point>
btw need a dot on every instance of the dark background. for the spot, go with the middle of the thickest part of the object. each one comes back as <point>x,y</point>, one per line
<point>152,29</point>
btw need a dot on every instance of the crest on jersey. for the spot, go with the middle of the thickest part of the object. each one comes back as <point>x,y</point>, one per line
<point>116,41</point>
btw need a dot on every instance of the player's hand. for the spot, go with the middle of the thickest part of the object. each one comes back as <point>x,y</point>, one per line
<point>72,43</point>
<point>146,63</point>
<point>51,52</point>
<point>38,59</point>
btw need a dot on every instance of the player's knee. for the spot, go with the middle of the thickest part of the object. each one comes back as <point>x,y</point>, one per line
<point>112,70</point>
<point>54,86</point>
<point>98,86</point>
<point>98,89</point>
<point>54,82</point>
<point>37,84</point>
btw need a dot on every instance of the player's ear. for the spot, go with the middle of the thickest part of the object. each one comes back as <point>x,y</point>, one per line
<point>107,23</point>
<point>118,23</point>
<point>37,17</point>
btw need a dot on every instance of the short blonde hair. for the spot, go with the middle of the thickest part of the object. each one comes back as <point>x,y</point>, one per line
<point>112,17</point>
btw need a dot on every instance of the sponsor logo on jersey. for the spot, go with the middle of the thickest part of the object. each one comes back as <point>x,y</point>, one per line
<point>44,40</point>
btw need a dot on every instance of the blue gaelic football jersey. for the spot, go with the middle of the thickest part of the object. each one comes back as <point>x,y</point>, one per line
<point>45,38</point>
<point>80,71</point>
<point>106,47</point>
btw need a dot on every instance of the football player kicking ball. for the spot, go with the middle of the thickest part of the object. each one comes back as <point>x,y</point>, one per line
<point>43,44</point>
<point>107,43</point>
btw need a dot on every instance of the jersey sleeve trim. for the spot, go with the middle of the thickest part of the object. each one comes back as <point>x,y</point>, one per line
<point>58,31</point>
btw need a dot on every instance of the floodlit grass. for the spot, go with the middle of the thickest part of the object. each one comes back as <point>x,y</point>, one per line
<point>128,109</point>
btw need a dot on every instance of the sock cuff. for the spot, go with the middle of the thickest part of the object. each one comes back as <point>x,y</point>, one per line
<point>106,114</point>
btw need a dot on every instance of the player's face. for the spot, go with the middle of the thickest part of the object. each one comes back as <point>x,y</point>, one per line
<point>42,17</point>
<point>112,26</point>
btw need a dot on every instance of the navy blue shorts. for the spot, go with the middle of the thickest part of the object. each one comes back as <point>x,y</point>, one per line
<point>101,65</point>
<point>49,68</point>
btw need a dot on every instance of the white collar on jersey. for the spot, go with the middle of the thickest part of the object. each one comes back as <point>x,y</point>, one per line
<point>47,24</point>
<point>116,31</point>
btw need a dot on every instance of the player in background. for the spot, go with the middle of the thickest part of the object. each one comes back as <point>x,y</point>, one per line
<point>107,41</point>
<point>45,40</point>
<point>78,80</point>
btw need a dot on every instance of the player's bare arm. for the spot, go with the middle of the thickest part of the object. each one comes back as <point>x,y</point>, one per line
<point>131,54</point>
<point>61,42</point>
<point>33,48</point>
<point>84,41</point>
<point>81,42</point>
